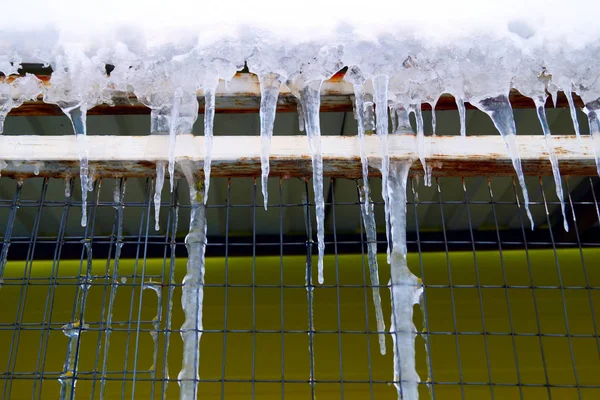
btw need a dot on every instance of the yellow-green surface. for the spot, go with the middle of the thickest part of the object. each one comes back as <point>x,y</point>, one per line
<point>355,348</point>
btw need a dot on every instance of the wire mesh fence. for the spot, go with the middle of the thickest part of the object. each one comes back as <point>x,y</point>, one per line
<point>507,312</point>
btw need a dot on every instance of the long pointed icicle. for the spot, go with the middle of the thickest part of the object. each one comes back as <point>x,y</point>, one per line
<point>371,230</point>
<point>360,113</point>
<point>573,111</point>
<point>462,113</point>
<point>380,84</point>
<point>433,117</point>
<point>209,120</point>
<point>405,288</point>
<point>500,111</point>
<point>77,115</point>
<point>158,186</point>
<point>311,103</point>
<point>269,92</point>
<point>192,295</point>
<point>177,99</point>
<point>541,113</point>
<point>357,79</point>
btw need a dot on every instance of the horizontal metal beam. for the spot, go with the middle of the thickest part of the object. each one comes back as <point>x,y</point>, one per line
<point>115,156</point>
<point>243,96</point>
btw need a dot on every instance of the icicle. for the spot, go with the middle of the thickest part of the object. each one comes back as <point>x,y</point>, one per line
<point>68,377</point>
<point>193,288</point>
<point>462,113</point>
<point>301,122</point>
<point>402,116</point>
<point>209,119</point>
<point>156,287</point>
<point>67,187</point>
<point>356,78</point>
<point>573,111</point>
<point>369,109</point>
<point>416,108</point>
<point>380,84</point>
<point>269,92</point>
<point>500,111</point>
<point>36,167</point>
<point>177,99</point>
<point>117,194</point>
<point>311,101</point>
<point>405,288</point>
<point>392,110</point>
<point>371,230</point>
<point>160,181</point>
<point>433,117</point>
<point>591,110</point>
<point>78,115</point>
<point>541,113</point>
<point>169,316</point>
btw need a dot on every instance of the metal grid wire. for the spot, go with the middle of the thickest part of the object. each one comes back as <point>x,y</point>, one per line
<point>507,312</point>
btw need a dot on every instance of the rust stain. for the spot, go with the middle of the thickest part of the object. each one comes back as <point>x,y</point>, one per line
<point>248,101</point>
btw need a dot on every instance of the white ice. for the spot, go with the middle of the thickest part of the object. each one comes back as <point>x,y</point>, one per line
<point>15,93</point>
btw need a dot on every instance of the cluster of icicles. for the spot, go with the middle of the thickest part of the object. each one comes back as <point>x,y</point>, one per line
<point>389,78</point>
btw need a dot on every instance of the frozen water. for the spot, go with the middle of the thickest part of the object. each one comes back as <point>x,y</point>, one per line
<point>380,84</point>
<point>160,180</point>
<point>15,93</point>
<point>193,287</point>
<point>396,61</point>
<point>156,287</point>
<point>310,96</point>
<point>462,114</point>
<point>269,92</point>
<point>405,287</point>
<point>368,217</point>
<point>573,112</point>
<point>500,111</point>
<point>355,77</point>
<point>209,118</point>
<point>67,187</point>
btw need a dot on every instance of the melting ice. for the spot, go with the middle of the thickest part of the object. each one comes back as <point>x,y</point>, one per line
<point>389,69</point>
